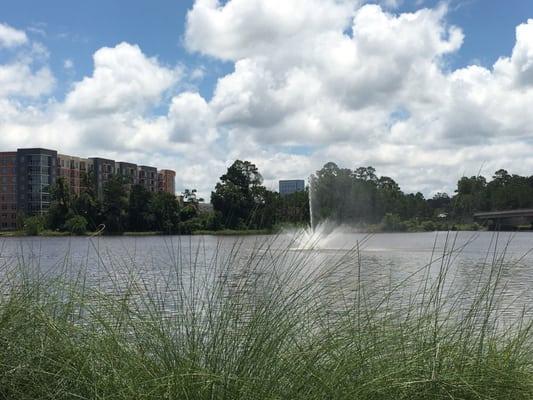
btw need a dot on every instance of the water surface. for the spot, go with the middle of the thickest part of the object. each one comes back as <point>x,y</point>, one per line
<point>383,260</point>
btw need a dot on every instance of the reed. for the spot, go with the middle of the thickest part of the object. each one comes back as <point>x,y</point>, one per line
<point>260,323</point>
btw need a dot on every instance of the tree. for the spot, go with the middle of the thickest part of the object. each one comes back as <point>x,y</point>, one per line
<point>76,225</point>
<point>114,205</point>
<point>440,201</point>
<point>139,218</point>
<point>164,212</point>
<point>88,207</point>
<point>60,206</point>
<point>264,213</point>
<point>294,208</point>
<point>33,226</point>
<point>471,196</point>
<point>366,174</point>
<point>237,194</point>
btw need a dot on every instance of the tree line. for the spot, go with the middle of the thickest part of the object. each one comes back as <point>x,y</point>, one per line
<point>122,207</point>
<point>240,201</point>
<point>360,196</point>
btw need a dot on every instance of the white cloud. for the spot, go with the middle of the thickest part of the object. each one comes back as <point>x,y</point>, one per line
<point>11,37</point>
<point>241,28</point>
<point>124,80</point>
<point>334,80</point>
<point>18,79</point>
<point>190,118</point>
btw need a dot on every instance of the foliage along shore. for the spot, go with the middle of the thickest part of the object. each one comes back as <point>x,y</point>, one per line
<point>241,204</point>
<point>424,226</point>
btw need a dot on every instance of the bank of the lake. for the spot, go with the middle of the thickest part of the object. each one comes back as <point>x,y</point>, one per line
<point>377,228</point>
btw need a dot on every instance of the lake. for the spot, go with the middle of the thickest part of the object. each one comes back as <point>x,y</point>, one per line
<point>384,261</point>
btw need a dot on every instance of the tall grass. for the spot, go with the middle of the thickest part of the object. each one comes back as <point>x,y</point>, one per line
<point>268,323</point>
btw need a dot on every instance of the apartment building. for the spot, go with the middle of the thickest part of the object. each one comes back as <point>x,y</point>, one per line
<point>27,175</point>
<point>74,170</point>
<point>148,177</point>
<point>166,181</point>
<point>36,171</point>
<point>8,183</point>
<point>128,171</point>
<point>103,169</point>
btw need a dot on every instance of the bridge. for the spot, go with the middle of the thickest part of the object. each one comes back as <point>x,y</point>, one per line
<point>506,220</point>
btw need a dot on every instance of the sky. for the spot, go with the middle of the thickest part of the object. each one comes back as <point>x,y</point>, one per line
<point>425,91</point>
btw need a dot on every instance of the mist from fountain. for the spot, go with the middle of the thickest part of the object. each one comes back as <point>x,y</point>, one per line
<point>323,234</point>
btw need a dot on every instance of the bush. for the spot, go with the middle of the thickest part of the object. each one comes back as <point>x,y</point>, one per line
<point>428,226</point>
<point>33,226</point>
<point>76,225</point>
<point>393,223</point>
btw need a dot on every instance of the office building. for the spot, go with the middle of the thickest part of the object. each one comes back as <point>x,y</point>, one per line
<point>287,187</point>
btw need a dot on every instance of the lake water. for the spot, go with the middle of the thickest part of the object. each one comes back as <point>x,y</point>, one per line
<point>383,260</point>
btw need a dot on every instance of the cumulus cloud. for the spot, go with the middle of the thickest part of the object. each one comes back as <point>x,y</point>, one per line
<point>26,73</point>
<point>11,37</point>
<point>360,85</point>
<point>322,91</point>
<point>241,28</point>
<point>124,79</point>
<point>19,79</point>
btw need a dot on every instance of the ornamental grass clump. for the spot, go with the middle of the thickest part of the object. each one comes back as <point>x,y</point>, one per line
<point>260,323</point>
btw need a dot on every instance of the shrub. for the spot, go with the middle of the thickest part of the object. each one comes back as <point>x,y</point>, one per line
<point>33,226</point>
<point>76,225</point>
<point>428,226</point>
<point>393,223</point>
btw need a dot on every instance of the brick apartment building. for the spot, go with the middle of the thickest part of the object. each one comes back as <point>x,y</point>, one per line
<point>26,176</point>
<point>166,181</point>
<point>73,169</point>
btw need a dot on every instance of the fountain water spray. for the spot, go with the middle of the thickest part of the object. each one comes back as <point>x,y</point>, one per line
<point>311,220</point>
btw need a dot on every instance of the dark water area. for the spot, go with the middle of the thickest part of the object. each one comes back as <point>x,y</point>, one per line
<point>401,262</point>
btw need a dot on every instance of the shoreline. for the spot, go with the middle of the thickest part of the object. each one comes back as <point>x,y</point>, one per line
<point>225,232</point>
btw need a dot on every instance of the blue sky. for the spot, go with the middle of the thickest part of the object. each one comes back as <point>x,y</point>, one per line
<point>424,97</point>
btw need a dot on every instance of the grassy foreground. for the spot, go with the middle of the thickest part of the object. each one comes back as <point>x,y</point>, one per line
<point>258,325</point>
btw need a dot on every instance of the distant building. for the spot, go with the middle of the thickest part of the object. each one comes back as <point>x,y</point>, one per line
<point>36,173</point>
<point>27,175</point>
<point>8,192</point>
<point>103,170</point>
<point>148,177</point>
<point>291,186</point>
<point>166,181</point>
<point>128,172</point>
<point>74,170</point>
